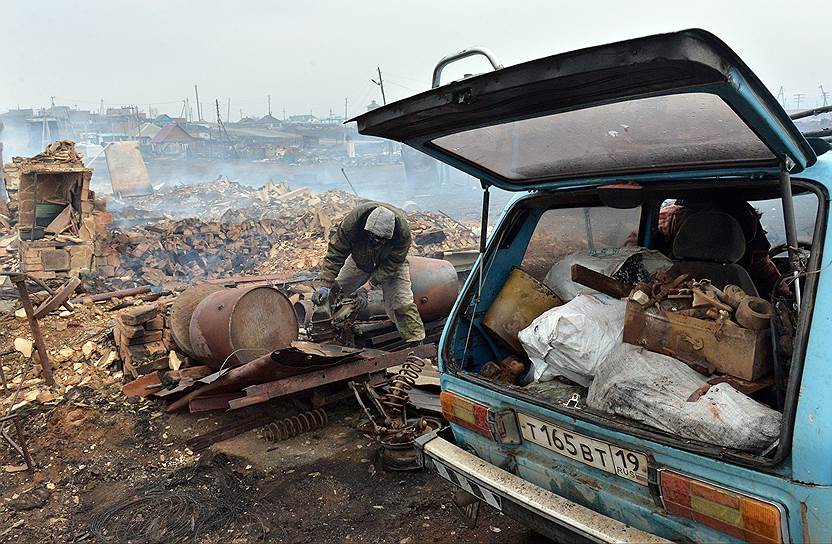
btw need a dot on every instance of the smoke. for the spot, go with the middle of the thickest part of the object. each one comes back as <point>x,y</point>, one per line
<point>14,135</point>
<point>456,194</point>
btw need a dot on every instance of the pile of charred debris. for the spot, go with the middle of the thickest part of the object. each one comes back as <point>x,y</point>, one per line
<point>233,229</point>
<point>213,312</point>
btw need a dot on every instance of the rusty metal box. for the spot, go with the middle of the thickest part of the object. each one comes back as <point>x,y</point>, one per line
<point>704,344</point>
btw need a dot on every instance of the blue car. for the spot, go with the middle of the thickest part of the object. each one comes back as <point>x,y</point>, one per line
<point>598,143</point>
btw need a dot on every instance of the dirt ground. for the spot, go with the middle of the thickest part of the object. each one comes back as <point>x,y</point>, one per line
<point>94,449</point>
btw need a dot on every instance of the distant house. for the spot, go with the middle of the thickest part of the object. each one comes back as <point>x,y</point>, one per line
<point>165,119</point>
<point>307,118</point>
<point>172,140</point>
<point>145,135</point>
<point>148,131</point>
<point>269,121</point>
<point>197,130</point>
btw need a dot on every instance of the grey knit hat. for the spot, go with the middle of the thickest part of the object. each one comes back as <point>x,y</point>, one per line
<point>381,222</point>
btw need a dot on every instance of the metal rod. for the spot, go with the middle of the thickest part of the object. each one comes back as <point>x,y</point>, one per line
<point>348,181</point>
<point>486,197</point>
<point>121,293</point>
<point>810,113</point>
<point>20,283</point>
<point>791,229</point>
<point>3,379</point>
<point>24,451</point>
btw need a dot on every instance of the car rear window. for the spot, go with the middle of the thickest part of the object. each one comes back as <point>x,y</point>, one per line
<point>563,231</point>
<point>658,132</point>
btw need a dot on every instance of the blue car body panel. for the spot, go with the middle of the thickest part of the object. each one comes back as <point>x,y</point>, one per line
<point>802,484</point>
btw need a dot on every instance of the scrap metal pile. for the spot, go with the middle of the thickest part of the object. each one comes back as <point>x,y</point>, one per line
<point>202,349</point>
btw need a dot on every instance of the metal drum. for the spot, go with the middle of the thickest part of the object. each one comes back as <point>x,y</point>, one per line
<point>435,286</point>
<point>234,326</point>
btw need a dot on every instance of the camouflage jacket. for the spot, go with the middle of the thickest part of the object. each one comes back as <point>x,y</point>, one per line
<point>351,239</point>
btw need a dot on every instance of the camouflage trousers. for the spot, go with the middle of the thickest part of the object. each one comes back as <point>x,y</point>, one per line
<point>397,293</point>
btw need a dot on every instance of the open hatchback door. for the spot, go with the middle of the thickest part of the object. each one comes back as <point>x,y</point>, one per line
<point>680,102</point>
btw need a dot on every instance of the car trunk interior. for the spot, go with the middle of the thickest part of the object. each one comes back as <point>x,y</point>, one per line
<point>664,310</point>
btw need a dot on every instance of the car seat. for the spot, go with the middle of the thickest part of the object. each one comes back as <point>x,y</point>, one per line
<point>708,245</point>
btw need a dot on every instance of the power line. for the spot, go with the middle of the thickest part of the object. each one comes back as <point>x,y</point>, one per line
<point>798,98</point>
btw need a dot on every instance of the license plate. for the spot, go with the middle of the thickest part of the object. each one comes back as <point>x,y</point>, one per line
<point>595,453</point>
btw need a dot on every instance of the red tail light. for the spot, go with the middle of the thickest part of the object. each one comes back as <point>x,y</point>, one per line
<point>729,512</point>
<point>466,413</point>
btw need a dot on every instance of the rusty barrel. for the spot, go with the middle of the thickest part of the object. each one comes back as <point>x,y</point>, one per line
<point>234,326</point>
<point>435,286</point>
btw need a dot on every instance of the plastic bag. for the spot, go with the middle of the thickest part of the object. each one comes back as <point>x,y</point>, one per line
<point>571,340</point>
<point>654,389</point>
<point>607,261</point>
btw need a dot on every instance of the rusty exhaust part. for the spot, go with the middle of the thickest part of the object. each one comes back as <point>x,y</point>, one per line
<point>234,326</point>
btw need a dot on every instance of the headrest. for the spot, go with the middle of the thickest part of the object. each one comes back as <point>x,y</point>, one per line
<point>709,236</point>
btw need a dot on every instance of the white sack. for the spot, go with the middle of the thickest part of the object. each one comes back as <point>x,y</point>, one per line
<point>571,340</point>
<point>653,389</point>
<point>607,261</point>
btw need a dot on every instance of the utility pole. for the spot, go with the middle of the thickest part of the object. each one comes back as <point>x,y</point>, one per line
<point>824,95</point>
<point>346,102</point>
<point>52,98</point>
<point>269,100</point>
<point>198,109</point>
<point>380,83</point>
<point>798,98</point>
<point>228,111</point>
<point>284,114</point>
<point>101,108</point>
<point>781,96</point>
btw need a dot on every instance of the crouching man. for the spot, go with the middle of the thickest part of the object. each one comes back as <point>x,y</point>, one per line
<point>372,244</point>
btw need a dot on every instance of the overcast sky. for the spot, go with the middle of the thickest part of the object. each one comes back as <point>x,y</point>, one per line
<point>311,55</point>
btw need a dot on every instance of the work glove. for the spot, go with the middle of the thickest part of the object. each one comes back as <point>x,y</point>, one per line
<point>320,296</point>
<point>361,300</point>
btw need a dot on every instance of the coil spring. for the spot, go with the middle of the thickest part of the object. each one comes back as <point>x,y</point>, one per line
<point>289,427</point>
<point>397,397</point>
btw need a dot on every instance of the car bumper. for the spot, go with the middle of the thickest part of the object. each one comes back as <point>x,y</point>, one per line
<point>542,510</point>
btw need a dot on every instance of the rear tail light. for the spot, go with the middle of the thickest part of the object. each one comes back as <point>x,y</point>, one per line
<point>498,425</point>
<point>466,413</point>
<point>729,512</point>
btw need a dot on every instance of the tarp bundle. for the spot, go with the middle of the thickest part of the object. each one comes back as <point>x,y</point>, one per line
<point>654,389</point>
<point>571,340</point>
